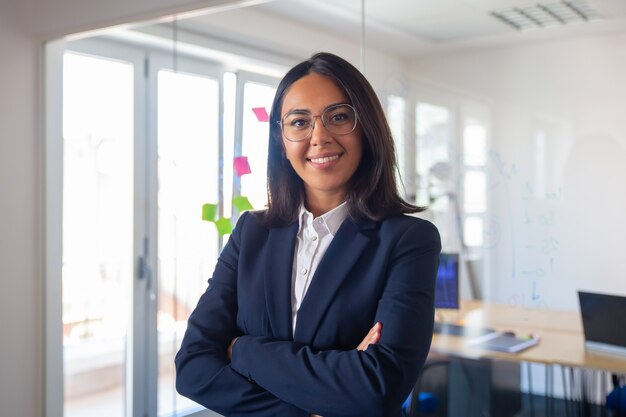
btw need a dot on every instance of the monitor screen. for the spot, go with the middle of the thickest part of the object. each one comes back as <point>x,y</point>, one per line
<point>600,316</point>
<point>447,287</point>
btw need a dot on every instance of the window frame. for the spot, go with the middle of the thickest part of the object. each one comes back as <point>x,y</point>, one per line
<point>142,375</point>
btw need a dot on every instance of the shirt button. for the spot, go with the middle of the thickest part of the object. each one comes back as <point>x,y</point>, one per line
<point>314,238</point>
<point>303,271</point>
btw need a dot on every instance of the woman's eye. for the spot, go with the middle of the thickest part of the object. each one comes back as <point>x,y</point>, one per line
<point>299,123</point>
<point>339,117</point>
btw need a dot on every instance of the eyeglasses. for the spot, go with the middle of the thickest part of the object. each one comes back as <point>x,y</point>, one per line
<point>339,119</point>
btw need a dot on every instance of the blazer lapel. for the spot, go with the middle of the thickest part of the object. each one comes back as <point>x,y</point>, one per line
<point>343,252</point>
<point>278,269</point>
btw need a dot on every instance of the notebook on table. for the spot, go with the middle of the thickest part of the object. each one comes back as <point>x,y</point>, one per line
<point>603,322</point>
<point>504,342</point>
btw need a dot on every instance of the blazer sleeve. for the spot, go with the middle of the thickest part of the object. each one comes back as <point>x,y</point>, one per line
<point>203,371</point>
<point>373,382</point>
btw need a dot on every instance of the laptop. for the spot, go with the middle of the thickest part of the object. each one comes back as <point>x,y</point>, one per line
<point>603,322</point>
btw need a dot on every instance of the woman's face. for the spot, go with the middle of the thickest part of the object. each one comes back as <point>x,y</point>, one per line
<point>326,161</point>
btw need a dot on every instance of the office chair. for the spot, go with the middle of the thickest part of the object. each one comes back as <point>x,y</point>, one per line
<point>616,399</point>
<point>433,401</point>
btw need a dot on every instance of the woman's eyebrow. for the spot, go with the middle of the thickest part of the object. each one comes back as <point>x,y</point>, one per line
<point>306,111</point>
<point>298,111</point>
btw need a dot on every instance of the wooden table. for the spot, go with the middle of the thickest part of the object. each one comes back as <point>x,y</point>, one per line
<point>561,347</point>
<point>561,336</point>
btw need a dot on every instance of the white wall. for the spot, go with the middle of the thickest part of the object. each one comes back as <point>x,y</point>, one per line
<point>20,225</point>
<point>556,164</point>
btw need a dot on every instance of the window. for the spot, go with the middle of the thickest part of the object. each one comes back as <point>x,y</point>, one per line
<point>396,116</point>
<point>436,185</point>
<point>451,157</point>
<point>97,272</point>
<point>188,175</point>
<point>474,180</point>
<point>254,138</point>
<point>142,152</point>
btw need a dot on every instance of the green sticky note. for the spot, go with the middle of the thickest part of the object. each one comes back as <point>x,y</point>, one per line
<point>223,226</point>
<point>242,203</point>
<point>209,212</point>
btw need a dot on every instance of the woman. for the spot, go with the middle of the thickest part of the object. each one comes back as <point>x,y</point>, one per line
<point>323,303</point>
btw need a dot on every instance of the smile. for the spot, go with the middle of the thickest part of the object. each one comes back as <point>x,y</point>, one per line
<point>324,159</point>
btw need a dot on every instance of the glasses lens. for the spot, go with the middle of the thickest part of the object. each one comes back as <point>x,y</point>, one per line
<point>297,127</point>
<point>340,119</point>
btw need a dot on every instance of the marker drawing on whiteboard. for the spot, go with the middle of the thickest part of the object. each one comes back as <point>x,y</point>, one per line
<point>535,296</point>
<point>507,174</point>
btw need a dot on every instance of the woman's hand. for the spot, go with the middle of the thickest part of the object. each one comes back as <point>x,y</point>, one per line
<point>229,351</point>
<point>372,337</point>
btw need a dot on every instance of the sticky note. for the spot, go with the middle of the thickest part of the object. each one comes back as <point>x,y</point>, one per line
<point>261,114</point>
<point>223,226</point>
<point>208,212</point>
<point>242,203</point>
<point>241,165</point>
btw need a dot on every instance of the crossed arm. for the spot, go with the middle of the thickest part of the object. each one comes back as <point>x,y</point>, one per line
<point>263,376</point>
<point>371,338</point>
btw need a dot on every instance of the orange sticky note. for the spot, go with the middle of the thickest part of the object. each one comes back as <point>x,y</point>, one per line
<point>261,114</point>
<point>241,165</point>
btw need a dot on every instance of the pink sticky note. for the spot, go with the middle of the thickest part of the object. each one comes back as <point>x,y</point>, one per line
<point>241,165</point>
<point>261,114</point>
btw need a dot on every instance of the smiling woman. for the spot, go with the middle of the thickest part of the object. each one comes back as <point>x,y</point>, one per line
<point>328,153</point>
<point>323,303</point>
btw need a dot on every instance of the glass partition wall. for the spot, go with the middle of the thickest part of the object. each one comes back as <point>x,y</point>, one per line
<point>155,134</point>
<point>147,142</point>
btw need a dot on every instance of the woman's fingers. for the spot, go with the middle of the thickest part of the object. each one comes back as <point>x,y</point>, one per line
<point>229,351</point>
<point>371,338</point>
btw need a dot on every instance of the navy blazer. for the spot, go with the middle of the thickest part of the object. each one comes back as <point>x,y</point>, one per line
<point>372,272</point>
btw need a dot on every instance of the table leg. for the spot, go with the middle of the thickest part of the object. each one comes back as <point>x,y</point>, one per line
<point>531,404</point>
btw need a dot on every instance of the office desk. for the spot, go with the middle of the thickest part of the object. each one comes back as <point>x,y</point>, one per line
<point>561,333</point>
<point>584,375</point>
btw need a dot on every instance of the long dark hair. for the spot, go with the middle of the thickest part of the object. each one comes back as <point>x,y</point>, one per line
<point>372,190</point>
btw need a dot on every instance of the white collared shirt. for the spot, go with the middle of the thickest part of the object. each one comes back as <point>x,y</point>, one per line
<point>314,237</point>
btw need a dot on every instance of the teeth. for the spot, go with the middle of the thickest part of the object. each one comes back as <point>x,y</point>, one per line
<point>324,160</point>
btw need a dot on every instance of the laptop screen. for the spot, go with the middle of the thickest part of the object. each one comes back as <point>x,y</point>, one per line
<point>447,285</point>
<point>603,318</point>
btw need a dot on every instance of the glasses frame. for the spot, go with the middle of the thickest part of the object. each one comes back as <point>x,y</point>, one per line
<point>321,117</point>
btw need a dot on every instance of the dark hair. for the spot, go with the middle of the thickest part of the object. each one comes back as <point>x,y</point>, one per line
<point>372,190</point>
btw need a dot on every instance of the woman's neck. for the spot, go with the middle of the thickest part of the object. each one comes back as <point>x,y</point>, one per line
<point>321,204</point>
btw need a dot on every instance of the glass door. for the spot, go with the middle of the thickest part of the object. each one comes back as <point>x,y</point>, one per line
<point>97,233</point>
<point>256,95</point>
<point>148,140</point>
<point>188,131</point>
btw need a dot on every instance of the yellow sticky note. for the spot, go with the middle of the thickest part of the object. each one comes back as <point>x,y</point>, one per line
<point>242,203</point>
<point>209,211</point>
<point>223,226</point>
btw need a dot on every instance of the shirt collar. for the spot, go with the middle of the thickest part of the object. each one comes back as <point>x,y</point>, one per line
<point>331,219</point>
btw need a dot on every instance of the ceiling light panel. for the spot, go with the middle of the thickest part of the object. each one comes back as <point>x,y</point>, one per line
<point>544,15</point>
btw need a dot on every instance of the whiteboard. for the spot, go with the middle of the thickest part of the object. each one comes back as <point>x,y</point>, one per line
<point>557,164</point>
<point>558,215</point>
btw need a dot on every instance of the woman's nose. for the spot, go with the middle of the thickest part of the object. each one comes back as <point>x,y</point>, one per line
<point>319,134</point>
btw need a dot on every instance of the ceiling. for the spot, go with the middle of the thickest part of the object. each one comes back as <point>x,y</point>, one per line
<point>413,28</point>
